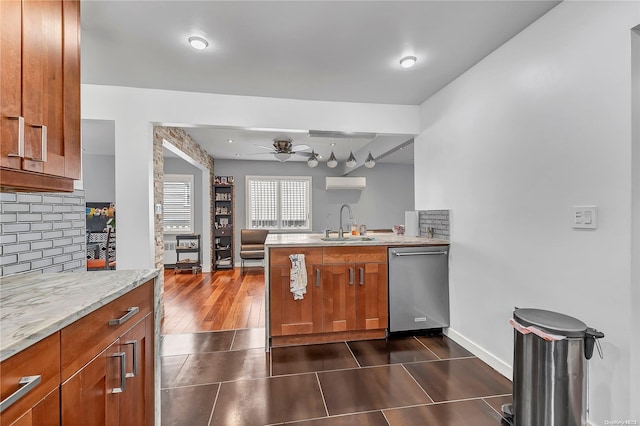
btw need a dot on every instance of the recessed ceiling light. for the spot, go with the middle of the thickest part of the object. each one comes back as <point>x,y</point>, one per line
<point>230,140</point>
<point>198,42</point>
<point>408,61</point>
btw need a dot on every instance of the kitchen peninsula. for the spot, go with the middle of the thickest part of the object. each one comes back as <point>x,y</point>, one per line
<point>347,289</point>
<point>80,348</point>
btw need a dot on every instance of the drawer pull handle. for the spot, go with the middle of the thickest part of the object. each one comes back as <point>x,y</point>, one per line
<point>350,276</point>
<point>418,253</point>
<point>26,384</point>
<point>20,137</point>
<point>43,142</point>
<point>123,373</point>
<point>361,276</point>
<point>133,343</point>
<point>126,317</point>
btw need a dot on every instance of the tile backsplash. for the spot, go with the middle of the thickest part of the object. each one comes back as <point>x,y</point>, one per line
<point>42,232</point>
<point>437,220</point>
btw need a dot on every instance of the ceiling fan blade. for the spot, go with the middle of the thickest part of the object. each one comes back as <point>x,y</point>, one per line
<point>301,147</point>
<point>259,153</point>
<point>270,148</point>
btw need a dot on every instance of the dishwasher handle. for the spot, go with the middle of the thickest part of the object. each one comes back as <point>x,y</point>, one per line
<point>418,253</point>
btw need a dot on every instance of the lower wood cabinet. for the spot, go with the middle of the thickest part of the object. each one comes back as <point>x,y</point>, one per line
<point>115,387</point>
<point>35,373</point>
<point>98,370</point>
<point>347,293</point>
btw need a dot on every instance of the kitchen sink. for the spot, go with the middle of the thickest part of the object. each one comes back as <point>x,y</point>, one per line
<point>347,239</point>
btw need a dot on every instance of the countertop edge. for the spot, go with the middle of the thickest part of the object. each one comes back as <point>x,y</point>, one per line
<point>59,324</point>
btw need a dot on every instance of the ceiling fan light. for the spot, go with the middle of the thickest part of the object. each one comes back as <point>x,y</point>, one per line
<point>370,161</point>
<point>313,160</point>
<point>351,161</point>
<point>332,162</point>
<point>282,156</point>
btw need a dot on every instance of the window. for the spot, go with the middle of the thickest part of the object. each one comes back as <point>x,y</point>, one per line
<point>177,206</point>
<point>279,203</point>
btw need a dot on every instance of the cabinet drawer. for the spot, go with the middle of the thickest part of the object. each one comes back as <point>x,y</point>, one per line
<point>223,232</point>
<point>41,359</point>
<point>85,338</point>
<point>280,256</point>
<point>359,254</point>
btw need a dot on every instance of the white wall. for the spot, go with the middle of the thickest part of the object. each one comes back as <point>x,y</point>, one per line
<point>540,125</point>
<point>389,193</point>
<point>99,177</point>
<point>135,110</point>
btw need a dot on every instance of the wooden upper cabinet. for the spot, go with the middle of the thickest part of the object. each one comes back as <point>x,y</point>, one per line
<point>40,84</point>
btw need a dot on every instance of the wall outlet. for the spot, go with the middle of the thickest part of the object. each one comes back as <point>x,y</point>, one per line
<point>584,217</point>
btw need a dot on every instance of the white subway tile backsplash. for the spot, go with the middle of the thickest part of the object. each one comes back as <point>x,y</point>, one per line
<point>29,236</point>
<point>17,268</point>
<point>36,245</point>
<point>41,208</point>
<point>42,232</point>
<point>6,260</point>
<point>15,248</point>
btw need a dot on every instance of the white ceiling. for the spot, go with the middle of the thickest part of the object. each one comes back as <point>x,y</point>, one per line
<point>316,50</point>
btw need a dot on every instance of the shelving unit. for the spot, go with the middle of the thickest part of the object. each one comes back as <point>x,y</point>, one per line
<point>188,255</point>
<point>224,198</point>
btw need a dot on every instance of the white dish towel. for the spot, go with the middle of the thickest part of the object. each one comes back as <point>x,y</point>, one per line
<point>298,280</point>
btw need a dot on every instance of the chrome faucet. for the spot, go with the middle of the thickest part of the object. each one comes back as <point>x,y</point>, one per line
<point>341,230</point>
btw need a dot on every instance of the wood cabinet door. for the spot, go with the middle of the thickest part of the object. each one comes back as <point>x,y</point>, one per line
<point>89,397</point>
<point>44,413</point>
<point>338,296</point>
<point>372,296</point>
<point>289,316</point>
<point>136,405</point>
<point>10,81</point>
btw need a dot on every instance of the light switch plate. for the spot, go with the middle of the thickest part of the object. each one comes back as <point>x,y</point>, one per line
<point>584,217</point>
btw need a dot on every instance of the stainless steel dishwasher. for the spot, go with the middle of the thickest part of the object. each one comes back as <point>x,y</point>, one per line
<point>418,288</point>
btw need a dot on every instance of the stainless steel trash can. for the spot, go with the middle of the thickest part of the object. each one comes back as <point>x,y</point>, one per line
<point>550,368</point>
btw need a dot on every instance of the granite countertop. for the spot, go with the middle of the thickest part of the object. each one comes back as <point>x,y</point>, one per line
<point>379,239</point>
<point>34,306</point>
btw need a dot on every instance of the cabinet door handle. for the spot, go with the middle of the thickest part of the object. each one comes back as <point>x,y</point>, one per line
<point>26,384</point>
<point>134,344</point>
<point>126,317</point>
<point>43,142</point>
<point>317,277</point>
<point>350,276</point>
<point>20,137</point>
<point>123,373</point>
<point>361,276</point>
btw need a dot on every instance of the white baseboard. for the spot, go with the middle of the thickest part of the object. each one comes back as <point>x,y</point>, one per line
<point>494,362</point>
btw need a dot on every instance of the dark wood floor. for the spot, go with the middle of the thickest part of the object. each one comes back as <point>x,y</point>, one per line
<point>222,300</point>
<point>227,378</point>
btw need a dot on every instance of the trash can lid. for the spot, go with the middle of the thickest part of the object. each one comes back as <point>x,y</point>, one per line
<point>550,322</point>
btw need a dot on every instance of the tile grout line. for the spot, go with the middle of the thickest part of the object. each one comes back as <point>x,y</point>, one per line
<point>353,355</point>
<point>416,382</point>
<point>215,400</point>
<point>491,406</point>
<point>233,339</point>
<point>427,347</point>
<point>326,409</point>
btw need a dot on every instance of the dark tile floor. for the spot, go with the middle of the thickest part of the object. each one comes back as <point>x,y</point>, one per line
<point>226,378</point>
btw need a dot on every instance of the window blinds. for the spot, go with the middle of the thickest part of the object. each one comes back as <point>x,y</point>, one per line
<point>279,203</point>
<point>178,204</point>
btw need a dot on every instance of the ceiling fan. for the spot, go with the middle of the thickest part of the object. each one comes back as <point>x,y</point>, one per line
<point>283,149</point>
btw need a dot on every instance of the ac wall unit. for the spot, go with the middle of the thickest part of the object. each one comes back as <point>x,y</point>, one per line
<point>347,182</point>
